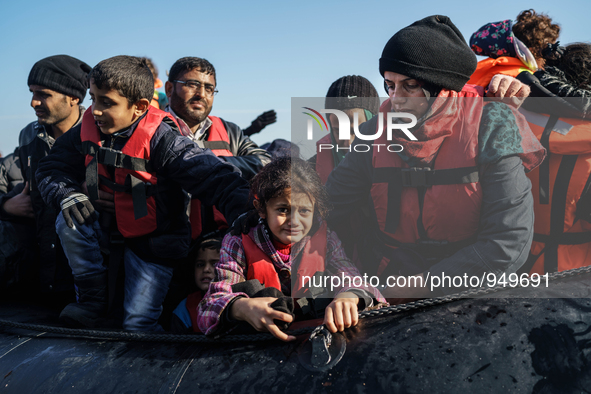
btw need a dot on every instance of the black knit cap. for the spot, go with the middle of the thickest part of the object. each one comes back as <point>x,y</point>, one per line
<point>62,73</point>
<point>352,91</point>
<point>431,50</point>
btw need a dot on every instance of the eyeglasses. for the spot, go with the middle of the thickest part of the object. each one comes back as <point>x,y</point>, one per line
<point>194,86</point>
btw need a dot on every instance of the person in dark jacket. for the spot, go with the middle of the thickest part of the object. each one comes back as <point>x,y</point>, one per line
<point>58,84</point>
<point>135,150</point>
<point>10,172</point>
<point>191,88</point>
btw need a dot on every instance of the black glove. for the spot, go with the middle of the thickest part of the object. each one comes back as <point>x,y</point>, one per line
<point>245,222</point>
<point>264,120</point>
<point>79,206</point>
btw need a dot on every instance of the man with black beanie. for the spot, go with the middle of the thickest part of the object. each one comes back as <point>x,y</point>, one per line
<point>58,85</point>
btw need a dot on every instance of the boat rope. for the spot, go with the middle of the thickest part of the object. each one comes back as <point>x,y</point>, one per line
<point>192,338</point>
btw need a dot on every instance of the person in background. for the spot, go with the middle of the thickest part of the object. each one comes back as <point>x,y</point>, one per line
<point>58,86</point>
<point>159,100</point>
<point>205,257</point>
<point>559,113</point>
<point>512,48</point>
<point>352,94</point>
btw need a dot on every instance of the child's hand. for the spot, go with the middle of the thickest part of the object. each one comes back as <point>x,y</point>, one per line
<point>258,313</point>
<point>342,312</point>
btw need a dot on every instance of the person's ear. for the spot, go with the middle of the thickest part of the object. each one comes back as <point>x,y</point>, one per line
<point>74,101</point>
<point>258,207</point>
<point>141,107</point>
<point>168,87</point>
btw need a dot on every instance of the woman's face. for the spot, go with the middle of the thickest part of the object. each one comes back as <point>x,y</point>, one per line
<point>406,94</point>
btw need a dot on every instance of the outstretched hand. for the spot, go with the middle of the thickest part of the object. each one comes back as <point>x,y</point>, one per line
<point>262,121</point>
<point>258,313</point>
<point>341,313</point>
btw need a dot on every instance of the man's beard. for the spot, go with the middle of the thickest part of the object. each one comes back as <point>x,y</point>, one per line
<point>185,112</point>
<point>59,114</point>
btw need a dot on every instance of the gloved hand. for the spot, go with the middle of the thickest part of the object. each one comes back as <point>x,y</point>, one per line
<point>244,222</point>
<point>79,206</point>
<point>261,122</point>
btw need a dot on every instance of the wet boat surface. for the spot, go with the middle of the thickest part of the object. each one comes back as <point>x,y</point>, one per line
<point>471,345</point>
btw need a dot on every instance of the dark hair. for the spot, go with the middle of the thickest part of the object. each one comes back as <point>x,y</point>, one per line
<point>286,174</point>
<point>535,31</point>
<point>128,75</point>
<point>151,66</point>
<point>214,243</point>
<point>575,62</point>
<point>186,64</point>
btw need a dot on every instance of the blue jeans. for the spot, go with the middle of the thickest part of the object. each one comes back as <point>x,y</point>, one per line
<point>146,284</point>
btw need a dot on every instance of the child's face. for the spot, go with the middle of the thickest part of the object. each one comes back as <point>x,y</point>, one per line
<point>289,217</point>
<point>204,267</point>
<point>112,112</point>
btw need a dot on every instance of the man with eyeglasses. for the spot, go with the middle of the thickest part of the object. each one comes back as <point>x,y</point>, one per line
<point>191,88</point>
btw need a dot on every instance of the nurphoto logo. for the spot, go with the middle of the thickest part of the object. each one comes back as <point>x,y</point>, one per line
<point>345,126</point>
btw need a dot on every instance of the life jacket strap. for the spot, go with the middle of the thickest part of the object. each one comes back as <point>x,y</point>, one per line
<point>545,166</point>
<point>213,145</point>
<point>557,210</point>
<point>114,158</point>
<point>564,238</point>
<point>417,177</point>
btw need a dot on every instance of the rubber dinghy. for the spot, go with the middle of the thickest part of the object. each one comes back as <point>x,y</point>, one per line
<point>507,343</point>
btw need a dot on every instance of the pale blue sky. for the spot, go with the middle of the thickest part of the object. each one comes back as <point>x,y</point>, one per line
<point>264,52</point>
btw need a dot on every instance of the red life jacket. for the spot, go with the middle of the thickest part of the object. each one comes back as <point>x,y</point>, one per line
<point>261,267</point>
<point>219,143</point>
<point>560,187</point>
<point>192,304</point>
<point>134,185</point>
<point>324,159</point>
<point>449,210</point>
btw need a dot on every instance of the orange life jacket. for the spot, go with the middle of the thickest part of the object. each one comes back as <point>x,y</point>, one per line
<point>134,186</point>
<point>324,159</point>
<point>192,304</point>
<point>218,142</point>
<point>434,208</point>
<point>488,68</point>
<point>561,240</point>
<point>261,267</point>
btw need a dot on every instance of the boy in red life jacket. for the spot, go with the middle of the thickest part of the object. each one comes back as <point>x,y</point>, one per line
<point>290,243</point>
<point>184,317</point>
<point>350,94</point>
<point>135,152</point>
